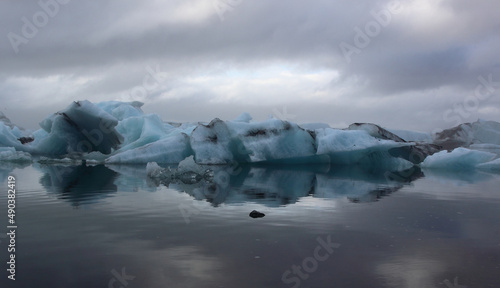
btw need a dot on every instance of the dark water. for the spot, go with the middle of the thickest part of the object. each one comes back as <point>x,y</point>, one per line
<point>102,226</point>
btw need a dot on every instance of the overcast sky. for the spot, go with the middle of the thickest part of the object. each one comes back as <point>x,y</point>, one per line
<point>418,65</point>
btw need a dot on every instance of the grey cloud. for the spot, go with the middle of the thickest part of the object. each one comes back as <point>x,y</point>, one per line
<point>111,43</point>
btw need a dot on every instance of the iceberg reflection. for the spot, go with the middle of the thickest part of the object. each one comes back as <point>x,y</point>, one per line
<point>78,184</point>
<point>272,186</point>
<point>275,186</point>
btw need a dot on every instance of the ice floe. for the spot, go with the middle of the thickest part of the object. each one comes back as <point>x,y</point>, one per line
<point>114,132</point>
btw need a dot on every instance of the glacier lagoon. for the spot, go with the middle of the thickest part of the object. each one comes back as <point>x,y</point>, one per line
<point>108,196</point>
<point>97,225</point>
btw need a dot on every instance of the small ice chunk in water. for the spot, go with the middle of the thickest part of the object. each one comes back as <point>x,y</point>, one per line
<point>153,170</point>
<point>188,165</point>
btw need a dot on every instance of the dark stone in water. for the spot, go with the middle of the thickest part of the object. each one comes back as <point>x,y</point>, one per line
<point>257,214</point>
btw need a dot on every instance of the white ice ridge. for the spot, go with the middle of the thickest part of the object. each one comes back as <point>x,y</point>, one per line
<point>458,159</point>
<point>120,132</point>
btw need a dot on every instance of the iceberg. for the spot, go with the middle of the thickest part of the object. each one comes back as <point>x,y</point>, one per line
<point>458,159</point>
<point>121,110</point>
<point>10,135</point>
<point>81,128</point>
<point>376,131</point>
<point>9,154</point>
<point>171,149</point>
<point>138,131</point>
<point>413,136</point>
<point>358,147</point>
<point>6,121</point>
<point>114,132</point>
<point>244,118</point>
<point>464,135</point>
<point>492,165</point>
<point>189,165</point>
<point>222,142</point>
<point>154,170</point>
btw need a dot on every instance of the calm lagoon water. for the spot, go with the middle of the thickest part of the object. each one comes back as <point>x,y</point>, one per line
<point>97,226</point>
